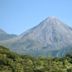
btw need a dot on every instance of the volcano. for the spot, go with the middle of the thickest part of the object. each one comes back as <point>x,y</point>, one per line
<point>50,38</point>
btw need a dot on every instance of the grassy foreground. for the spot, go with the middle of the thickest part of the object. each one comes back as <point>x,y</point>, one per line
<point>12,62</point>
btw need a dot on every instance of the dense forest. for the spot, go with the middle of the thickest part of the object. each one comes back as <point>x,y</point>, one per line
<point>12,62</point>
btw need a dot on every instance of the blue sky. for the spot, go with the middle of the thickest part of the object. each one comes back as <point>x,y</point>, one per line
<point>17,16</point>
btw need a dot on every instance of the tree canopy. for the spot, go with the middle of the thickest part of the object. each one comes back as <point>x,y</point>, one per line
<point>12,62</point>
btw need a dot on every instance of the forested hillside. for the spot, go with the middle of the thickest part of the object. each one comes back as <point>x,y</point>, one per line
<point>12,62</point>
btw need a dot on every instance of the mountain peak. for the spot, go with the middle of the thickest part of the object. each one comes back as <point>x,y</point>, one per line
<point>51,21</point>
<point>2,31</point>
<point>51,18</point>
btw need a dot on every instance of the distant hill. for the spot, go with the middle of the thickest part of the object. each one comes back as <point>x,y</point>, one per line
<point>50,38</point>
<point>6,36</point>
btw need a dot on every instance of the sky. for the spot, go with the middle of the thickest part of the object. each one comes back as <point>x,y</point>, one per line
<point>17,16</point>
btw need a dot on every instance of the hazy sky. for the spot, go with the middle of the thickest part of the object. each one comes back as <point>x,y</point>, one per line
<point>16,16</point>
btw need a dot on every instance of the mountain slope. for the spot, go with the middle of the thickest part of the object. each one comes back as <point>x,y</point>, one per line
<point>50,38</point>
<point>5,36</point>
